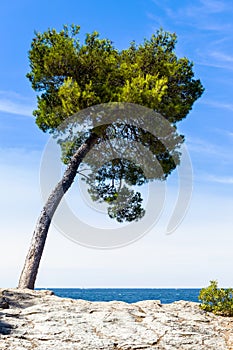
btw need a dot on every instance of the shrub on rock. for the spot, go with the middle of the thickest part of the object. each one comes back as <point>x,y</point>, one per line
<point>217,300</point>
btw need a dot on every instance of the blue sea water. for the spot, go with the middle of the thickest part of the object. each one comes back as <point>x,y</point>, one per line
<point>129,295</point>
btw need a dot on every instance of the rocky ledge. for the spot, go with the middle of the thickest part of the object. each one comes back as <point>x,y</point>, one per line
<point>39,320</point>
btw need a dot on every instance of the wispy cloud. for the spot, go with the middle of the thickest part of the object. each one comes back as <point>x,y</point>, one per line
<point>201,14</point>
<point>217,104</point>
<point>208,27</point>
<point>216,27</point>
<point>205,8</point>
<point>208,63</point>
<point>214,6</point>
<point>198,145</point>
<point>227,180</point>
<point>210,150</point>
<point>224,132</point>
<point>221,56</point>
<point>14,103</point>
<point>156,19</point>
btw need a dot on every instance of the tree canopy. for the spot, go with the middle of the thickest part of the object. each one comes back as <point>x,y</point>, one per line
<point>70,76</point>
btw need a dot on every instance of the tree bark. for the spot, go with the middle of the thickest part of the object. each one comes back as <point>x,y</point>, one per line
<point>31,265</point>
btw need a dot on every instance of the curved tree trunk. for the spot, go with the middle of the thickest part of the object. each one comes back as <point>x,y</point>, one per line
<point>31,265</point>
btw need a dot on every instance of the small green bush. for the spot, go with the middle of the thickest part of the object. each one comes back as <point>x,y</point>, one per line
<point>217,300</point>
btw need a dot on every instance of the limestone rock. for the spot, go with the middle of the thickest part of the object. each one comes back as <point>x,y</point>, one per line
<point>4,303</point>
<point>42,321</point>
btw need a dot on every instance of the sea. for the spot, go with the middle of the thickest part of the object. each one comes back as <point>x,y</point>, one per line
<point>129,295</point>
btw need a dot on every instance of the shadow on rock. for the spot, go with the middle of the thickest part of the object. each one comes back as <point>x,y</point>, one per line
<point>20,299</point>
<point>5,328</point>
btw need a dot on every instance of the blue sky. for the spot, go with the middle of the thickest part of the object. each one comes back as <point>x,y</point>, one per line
<point>201,247</point>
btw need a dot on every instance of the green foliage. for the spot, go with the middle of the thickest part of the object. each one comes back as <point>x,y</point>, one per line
<point>110,184</point>
<point>127,206</point>
<point>217,300</point>
<point>70,76</point>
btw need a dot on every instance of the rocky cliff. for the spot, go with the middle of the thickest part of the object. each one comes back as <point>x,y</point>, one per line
<point>39,320</point>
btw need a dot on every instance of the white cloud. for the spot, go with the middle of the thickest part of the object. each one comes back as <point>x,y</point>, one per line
<point>14,103</point>
<point>201,15</point>
<point>224,132</point>
<point>217,104</point>
<point>157,19</point>
<point>217,27</point>
<point>214,6</point>
<point>207,30</point>
<point>221,56</point>
<point>191,11</point>
<point>227,180</point>
<point>201,146</point>
<point>208,63</point>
